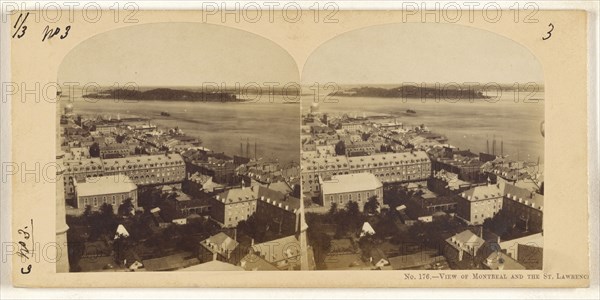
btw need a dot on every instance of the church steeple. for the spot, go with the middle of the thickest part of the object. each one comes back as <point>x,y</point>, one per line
<point>303,240</point>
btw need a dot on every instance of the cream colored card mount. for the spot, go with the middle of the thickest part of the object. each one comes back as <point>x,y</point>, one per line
<point>297,147</point>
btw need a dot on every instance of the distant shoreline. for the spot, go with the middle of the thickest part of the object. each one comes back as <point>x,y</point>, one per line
<point>414,92</point>
<point>164,94</point>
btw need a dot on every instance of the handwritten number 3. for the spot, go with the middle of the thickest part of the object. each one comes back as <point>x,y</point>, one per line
<point>66,32</point>
<point>26,272</point>
<point>549,32</point>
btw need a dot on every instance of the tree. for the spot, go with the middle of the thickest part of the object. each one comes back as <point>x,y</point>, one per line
<point>372,205</point>
<point>126,207</point>
<point>332,210</point>
<point>95,150</point>
<point>352,208</point>
<point>107,222</point>
<point>353,216</point>
<point>340,148</point>
<point>253,227</point>
<point>106,210</point>
<point>87,212</point>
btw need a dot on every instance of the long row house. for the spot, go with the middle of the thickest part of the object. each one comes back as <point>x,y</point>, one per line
<point>387,167</point>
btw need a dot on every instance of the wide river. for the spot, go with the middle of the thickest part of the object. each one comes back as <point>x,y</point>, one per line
<point>275,127</point>
<point>221,126</point>
<point>466,125</point>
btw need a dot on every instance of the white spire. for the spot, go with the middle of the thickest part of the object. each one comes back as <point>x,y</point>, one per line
<point>303,241</point>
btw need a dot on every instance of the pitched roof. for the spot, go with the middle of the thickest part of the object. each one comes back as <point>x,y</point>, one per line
<point>524,196</point>
<point>275,198</point>
<point>121,231</point>
<point>104,185</point>
<point>465,239</point>
<point>483,192</point>
<point>239,195</point>
<point>280,186</point>
<point>220,243</point>
<point>253,262</point>
<point>367,229</point>
<point>280,249</point>
<point>389,159</point>
<point>500,261</point>
<point>350,183</point>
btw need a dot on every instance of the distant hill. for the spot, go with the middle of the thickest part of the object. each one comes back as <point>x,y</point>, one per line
<point>164,94</point>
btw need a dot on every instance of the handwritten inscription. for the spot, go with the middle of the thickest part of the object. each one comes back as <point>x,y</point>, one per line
<point>549,33</point>
<point>47,33</point>
<point>26,244</point>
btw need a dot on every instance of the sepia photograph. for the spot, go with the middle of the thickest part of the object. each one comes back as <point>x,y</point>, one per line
<point>424,153</point>
<point>185,164</point>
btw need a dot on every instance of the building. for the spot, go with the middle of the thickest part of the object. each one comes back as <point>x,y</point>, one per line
<point>525,207</point>
<point>351,126</point>
<point>464,245</point>
<point>500,261</point>
<point>78,153</point>
<point>148,170</point>
<point>217,247</point>
<point>112,189</point>
<point>277,209</point>
<point>393,167</point>
<point>359,148</point>
<point>468,169</point>
<point>253,262</point>
<point>199,207</point>
<point>283,253</point>
<point>342,189</point>
<point>479,203</point>
<point>234,205</point>
<point>387,167</point>
<point>142,170</point>
<point>280,211</point>
<point>114,150</point>
<point>462,162</point>
<point>446,183</point>
<point>198,184</point>
<point>79,170</point>
<point>321,167</point>
<point>221,171</point>
<point>106,129</point>
<point>527,250</point>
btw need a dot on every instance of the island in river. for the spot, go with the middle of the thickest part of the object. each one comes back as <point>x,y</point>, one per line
<point>165,94</point>
<point>419,92</point>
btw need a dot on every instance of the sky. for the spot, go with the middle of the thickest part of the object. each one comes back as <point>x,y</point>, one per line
<point>177,54</point>
<point>189,54</point>
<point>417,52</point>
